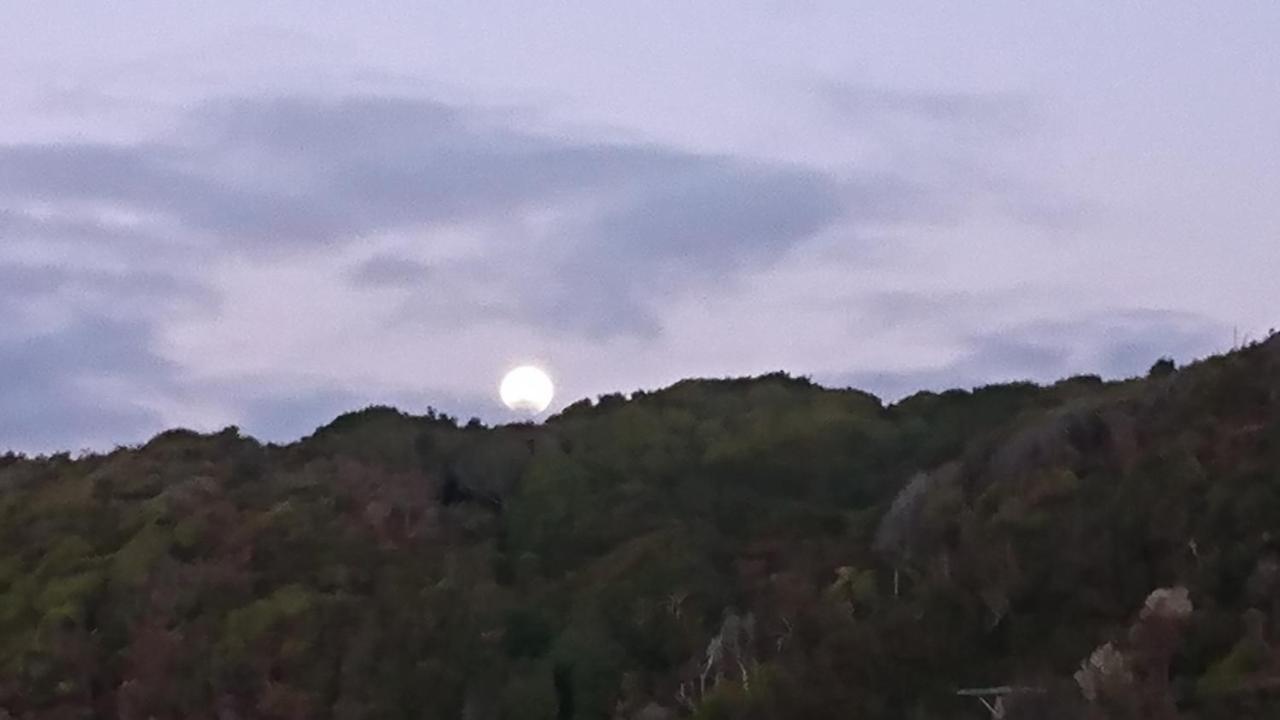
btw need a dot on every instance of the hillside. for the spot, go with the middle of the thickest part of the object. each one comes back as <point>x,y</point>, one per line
<point>754,548</point>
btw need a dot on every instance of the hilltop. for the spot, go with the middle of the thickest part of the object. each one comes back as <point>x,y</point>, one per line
<point>748,548</point>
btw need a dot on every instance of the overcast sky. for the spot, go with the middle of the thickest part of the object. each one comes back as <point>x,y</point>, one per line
<point>264,214</point>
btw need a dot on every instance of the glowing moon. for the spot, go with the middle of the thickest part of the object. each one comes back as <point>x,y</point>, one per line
<point>527,389</point>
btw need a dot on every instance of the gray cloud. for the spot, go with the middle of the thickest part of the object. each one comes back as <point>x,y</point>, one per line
<point>720,217</point>
<point>633,223</point>
<point>366,164</point>
<point>695,228</point>
<point>961,146</point>
<point>277,179</point>
<point>286,174</point>
<point>985,113</point>
<point>19,282</point>
<point>78,375</point>
<point>136,296</point>
<point>277,416</point>
<point>1123,343</point>
<point>287,417</point>
<point>82,384</point>
<point>1132,341</point>
<point>49,384</point>
<point>389,271</point>
<point>638,221</point>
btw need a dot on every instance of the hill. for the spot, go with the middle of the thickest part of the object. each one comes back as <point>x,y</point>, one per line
<point>751,548</point>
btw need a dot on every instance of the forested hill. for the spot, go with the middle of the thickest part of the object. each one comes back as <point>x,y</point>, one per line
<point>757,548</point>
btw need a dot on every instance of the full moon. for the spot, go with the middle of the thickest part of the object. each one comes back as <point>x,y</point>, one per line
<point>527,389</point>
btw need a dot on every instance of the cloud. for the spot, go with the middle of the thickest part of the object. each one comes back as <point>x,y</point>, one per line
<point>630,224</point>
<point>967,147</point>
<point>79,353</point>
<point>285,409</point>
<point>288,174</point>
<point>389,271</point>
<point>42,297</point>
<point>275,417</point>
<point>1133,340</point>
<point>983,113</point>
<point>1118,344</point>
<point>697,228</point>
<point>79,384</point>
<point>568,236</point>
<point>18,284</point>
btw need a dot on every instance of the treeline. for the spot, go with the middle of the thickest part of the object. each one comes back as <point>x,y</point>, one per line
<point>755,548</point>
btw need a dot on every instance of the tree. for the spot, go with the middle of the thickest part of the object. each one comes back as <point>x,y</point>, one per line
<point>1163,367</point>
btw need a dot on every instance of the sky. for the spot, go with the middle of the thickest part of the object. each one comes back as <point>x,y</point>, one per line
<point>266,214</point>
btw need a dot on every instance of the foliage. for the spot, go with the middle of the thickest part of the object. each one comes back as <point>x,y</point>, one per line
<point>749,548</point>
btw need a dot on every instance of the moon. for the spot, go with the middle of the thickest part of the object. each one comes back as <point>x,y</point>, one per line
<point>527,389</point>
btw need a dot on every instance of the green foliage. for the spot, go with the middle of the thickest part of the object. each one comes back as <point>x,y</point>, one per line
<point>1162,368</point>
<point>753,548</point>
<point>855,589</point>
<point>1231,672</point>
<point>590,665</point>
<point>527,633</point>
<point>132,562</point>
<point>529,694</point>
<point>757,698</point>
<point>64,600</point>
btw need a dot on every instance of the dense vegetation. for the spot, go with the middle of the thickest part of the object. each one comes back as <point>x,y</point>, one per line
<point>759,548</point>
